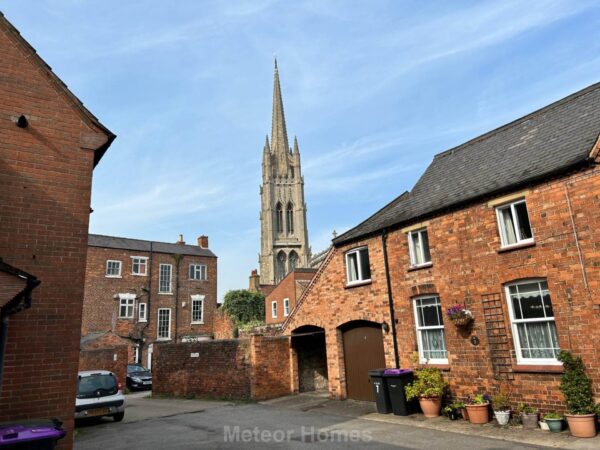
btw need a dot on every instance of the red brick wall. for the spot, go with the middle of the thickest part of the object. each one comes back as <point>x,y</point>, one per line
<point>288,288</point>
<point>467,266</point>
<point>256,368</point>
<point>113,359</point>
<point>45,183</point>
<point>100,308</point>
<point>223,326</point>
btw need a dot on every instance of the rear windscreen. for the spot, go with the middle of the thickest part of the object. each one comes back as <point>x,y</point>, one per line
<point>97,385</point>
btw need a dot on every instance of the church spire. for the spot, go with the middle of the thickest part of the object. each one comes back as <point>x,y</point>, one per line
<point>279,139</point>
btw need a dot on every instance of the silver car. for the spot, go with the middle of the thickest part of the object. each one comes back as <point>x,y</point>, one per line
<point>99,393</point>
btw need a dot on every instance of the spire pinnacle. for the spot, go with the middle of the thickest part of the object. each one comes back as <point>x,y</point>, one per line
<point>279,139</point>
<point>267,147</point>
<point>296,149</point>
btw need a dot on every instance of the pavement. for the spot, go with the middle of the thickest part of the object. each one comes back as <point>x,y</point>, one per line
<point>299,422</point>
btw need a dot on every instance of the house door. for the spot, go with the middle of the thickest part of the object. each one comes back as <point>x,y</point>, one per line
<point>363,351</point>
<point>150,357</point>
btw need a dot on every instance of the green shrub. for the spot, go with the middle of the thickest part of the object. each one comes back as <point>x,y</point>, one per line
<point>501,401</point>
<point>576,386</point>
<point>428,383</point>
<point>552,415</point>
<point>243,306</point>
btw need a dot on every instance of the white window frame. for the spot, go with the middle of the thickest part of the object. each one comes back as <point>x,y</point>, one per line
<point>108,261</point>
<point>286,307</point>
<point>158,337</point>
<point>200,272</point>
<point>195,299</point>
<point>360,279</point>
<point>142,312</point>
<point>139,259</point>
<point>160,290</point>
<point>274,309</point>
<point>412,251</point>
<point>515,331</point>
<point>127,301</point>
<point>515,218</point>
<point>419,329</point>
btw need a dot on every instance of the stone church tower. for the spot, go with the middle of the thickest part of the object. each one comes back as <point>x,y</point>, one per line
<point>284,237</point>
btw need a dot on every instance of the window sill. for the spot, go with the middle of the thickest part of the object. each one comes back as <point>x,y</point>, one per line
<point>165,293</point>
<point>125,318</point>
<point>419,267</point>
<point>538,368</point>
<point>516,247</point>
<point>139,274</point>
<point>163,340</point>
<point>113,276</point>
<point>442,367</point>
<point>195,279</point>
<point>197,323</point>
<point>143,321</point>
<point>357,284</point>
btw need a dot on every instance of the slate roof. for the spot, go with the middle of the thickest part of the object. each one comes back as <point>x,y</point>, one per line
<point>98,240</point>
<point>551,140</point>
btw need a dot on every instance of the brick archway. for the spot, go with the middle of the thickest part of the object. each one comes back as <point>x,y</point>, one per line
<point>308,344</point>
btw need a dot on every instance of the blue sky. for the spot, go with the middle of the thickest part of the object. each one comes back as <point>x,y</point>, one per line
<point>372,90</point>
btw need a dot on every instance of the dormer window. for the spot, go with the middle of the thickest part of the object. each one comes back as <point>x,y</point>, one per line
<point>513,223</point>
<point>358,269</point>
<point>418,245</point>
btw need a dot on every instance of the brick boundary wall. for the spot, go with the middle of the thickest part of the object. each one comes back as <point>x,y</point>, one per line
<point>104,359</point>
<point>235,369</point>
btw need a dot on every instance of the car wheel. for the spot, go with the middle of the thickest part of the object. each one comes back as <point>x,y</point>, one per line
<point>118,417</point>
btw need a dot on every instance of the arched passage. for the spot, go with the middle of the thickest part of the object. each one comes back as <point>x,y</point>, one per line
<point>308,342</point>
<point>363,351</point>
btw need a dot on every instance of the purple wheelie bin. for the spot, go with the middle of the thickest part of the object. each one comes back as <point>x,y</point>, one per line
<point>38,435</point>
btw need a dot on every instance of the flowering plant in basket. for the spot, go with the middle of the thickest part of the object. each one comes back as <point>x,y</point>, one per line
<point>460,315</point>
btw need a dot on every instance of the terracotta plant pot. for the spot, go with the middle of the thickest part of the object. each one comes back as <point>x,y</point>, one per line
<point>431,406</point>
<point>479,414</point>
<point>465,413</point>
<point>529,420</point>
<point>583,426</point>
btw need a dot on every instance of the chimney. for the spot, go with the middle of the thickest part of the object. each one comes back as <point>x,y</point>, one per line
<point>203,241</point>
<point>180,241</point>
<point>254,283</point>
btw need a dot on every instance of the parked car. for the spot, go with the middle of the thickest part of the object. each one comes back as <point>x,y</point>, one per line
<point>138,377</point>
<point>99,393</point>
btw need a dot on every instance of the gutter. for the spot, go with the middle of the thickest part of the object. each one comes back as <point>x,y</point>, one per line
<point>384,236</point>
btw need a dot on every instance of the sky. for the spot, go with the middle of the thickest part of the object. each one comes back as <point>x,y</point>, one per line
<point>373,90</point>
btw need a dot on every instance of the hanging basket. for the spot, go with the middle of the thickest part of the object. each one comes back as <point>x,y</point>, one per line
<point>460,315</point>
<point>463,321</point>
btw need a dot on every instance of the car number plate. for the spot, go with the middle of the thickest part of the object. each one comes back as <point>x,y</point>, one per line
<point>97,412</point>
<point>146,382</point>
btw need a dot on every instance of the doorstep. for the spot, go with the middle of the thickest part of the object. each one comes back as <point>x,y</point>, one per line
<point>492,431</point>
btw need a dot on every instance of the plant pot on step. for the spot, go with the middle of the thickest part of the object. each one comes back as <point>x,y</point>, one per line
<point>502,417</point>
<point>530,420</point>
<point>464,412</point>
<point>479,414</point>
<point>555,425</point>
<point>543,425</point>
<point>582,426</point>
<point>431,406</point>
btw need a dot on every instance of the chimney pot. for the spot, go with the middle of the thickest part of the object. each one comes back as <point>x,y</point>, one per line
<point>180,240</point>
<point>203,241</point>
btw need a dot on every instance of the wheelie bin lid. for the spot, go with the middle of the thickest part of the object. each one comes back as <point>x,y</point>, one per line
<point>22,432</point>
<point>397,372</point>
<point>376,372</point>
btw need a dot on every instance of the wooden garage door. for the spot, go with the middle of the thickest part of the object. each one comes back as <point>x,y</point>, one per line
<point>363,351</point>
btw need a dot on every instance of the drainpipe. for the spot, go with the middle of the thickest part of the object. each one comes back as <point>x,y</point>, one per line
<point>384,236</point>
<point>177,258</point>
<point>148,305</point>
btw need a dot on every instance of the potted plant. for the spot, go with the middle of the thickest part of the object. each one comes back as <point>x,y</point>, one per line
<point>428,387</point>
<point>501,407</point>
<point>576,386</point>
<point>554,421</point>
<point>460,406</point>
<point>459,315</point>
<point>451,412</point>
<point>477,407</point>
<point>529,415</point>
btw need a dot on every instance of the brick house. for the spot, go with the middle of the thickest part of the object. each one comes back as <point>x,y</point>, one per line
<point>139,292</point>
<point>49,146</point>
<point>506,224</point>
<point>282,298</point>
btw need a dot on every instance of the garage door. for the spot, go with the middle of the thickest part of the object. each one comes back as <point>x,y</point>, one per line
<point>363,351</point>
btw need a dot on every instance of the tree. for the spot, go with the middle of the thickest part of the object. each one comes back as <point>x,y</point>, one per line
<point>244,306</point>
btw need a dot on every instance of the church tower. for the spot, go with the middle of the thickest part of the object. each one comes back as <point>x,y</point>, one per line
<point>284,237</point>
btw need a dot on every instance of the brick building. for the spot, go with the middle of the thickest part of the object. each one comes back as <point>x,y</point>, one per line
<point>49,146</point>
<point>138,292</point>
<point>282,299</point>
<point>506,224</point>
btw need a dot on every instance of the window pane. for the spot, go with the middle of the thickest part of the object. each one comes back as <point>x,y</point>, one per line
<point>516,307</point>
<point>352,267</point>
<point>365,270</point>
<point>531,302</point>
<point>425,244</point>
<point>417,254</point>
<point>547,304</point>
<point>523,219</point>
<point>431,312</point>
<point>538,339</point>
<point>508,227</point>
<point>434,345</point>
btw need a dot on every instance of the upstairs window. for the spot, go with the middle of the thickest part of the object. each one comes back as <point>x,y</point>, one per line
<point>418,245</point>
<point>274,309</point>
<point>126,306</point>
<point>164,324</point>
<point>198,272</point>
<point>286,307</point>
<point>113,269</point>
<point>431,339</point>
<point>533,326</point>
<point>289,214</point>
<point>142,313</point>
<point>513,222</point>
<point>197,308</point>
<point>357,265</point>
<point>139,265</point>
<point>164,278</point>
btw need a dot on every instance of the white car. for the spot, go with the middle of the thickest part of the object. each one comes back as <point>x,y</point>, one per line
<point>99,393</point>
